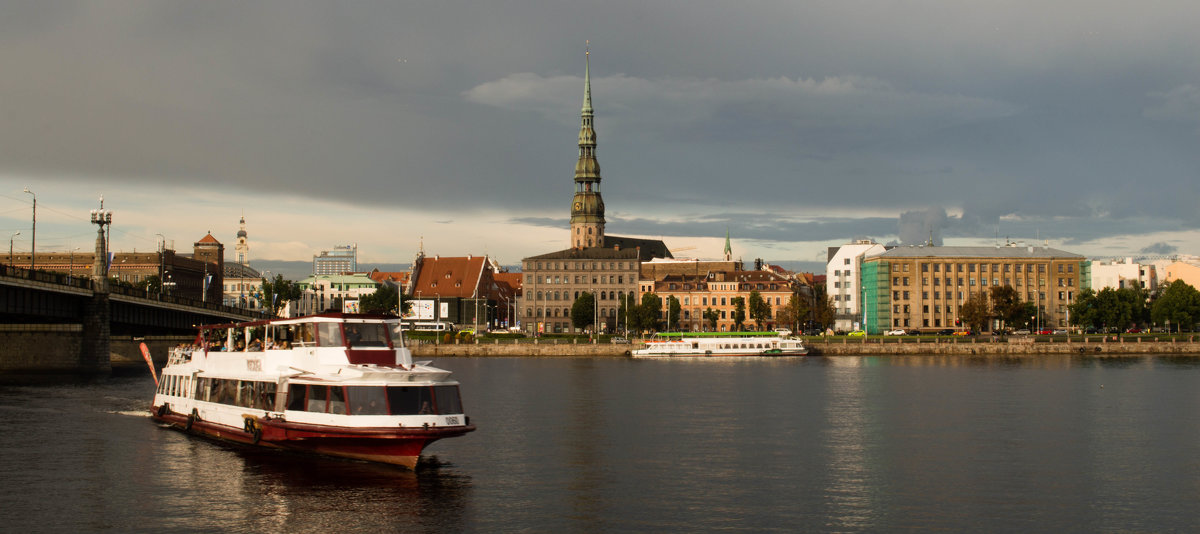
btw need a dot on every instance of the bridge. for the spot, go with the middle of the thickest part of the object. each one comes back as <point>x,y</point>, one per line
<point>55,324</point>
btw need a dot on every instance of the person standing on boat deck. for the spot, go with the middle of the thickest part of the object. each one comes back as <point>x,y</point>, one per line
<point>354,336</point>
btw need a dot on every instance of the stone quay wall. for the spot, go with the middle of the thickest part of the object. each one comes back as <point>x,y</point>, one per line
<point>34,349</point>
<point>1092,345</point>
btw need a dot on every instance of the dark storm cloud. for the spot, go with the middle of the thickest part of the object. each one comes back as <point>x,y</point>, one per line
<point>1160,248</point>
<point>1074,123</point>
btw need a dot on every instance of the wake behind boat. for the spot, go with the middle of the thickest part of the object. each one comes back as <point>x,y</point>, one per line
<point>332,384</point>
<point>692,344</point>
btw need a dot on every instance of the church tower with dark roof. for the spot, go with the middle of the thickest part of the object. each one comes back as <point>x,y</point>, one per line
<point>587,207</point>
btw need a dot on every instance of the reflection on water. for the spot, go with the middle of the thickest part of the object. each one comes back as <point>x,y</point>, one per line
<point>849,486</point>
<point>841,444</point>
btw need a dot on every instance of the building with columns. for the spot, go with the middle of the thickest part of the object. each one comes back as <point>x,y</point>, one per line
<point>597,263</point>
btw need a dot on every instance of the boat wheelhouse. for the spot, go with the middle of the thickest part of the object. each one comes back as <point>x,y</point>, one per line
<point>692,344</point>
<point>332,384</point>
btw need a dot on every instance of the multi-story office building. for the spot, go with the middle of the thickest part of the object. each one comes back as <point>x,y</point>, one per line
<point>595,262</point>
<point>841,281</point>
<point>922,288</point>
<point>342,259</point>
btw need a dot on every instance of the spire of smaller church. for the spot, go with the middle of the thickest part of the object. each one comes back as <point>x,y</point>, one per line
<point>728,248</point>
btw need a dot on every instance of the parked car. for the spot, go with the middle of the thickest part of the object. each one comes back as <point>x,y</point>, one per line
<point>783,331</point>
<point>618,340</point>
<point>857,333</point>
<point>1021,332</point>
<point>946,332</point>
<point>1091,330</point>
<point>813,332</point>
<point>964,333</point>
<point>1134,330</point>
<point>914,332</point>
<point>1059,331</point>
<point>895,333</point>
<point>1045,332</point>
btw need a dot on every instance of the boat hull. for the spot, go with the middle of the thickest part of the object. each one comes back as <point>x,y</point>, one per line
<point>397,446</point>
<point>759,354</point>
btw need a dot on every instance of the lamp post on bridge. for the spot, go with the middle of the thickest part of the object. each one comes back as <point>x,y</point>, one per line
<point>10,247</point>
<point>162,262</point>
<point>33,238</point>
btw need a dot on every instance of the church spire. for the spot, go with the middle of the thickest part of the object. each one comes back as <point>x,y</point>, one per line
<point>728,249</point>
<point>587,207</point>
<point>587,80</point>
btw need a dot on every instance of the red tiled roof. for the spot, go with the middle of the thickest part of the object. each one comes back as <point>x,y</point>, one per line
<point>400,277</point>
<point>208,239</point>
<point>450,277</point>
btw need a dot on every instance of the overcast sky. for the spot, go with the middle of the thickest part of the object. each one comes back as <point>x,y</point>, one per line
<point>793,125</point>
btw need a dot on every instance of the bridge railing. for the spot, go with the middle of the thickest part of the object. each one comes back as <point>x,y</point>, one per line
<point>48,277</point>
<point>84,282</point>
<point>183,301</point>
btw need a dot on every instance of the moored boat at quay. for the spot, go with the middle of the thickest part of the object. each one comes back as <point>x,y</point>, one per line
<point>728,344</point>
<point>332,384</point>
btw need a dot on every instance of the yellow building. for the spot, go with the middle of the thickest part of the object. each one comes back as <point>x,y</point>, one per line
<point>922,288</point>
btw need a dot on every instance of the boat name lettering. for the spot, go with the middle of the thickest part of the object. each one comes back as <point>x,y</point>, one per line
<point>452,420</point>
<point>254,365</point>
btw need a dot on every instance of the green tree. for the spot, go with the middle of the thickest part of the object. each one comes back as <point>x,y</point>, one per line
<point>1177,306</point>
<point>150,284</point>
<point>1085,310</point>
<point>626,308</point>
<point>385,299</point>
<point>975,311</point>
<point>583,311</point>
<point>759,309</point>
<point>824,314</point>
<point>278,292</point>
<point>649,312</point>
<point>1114,311</point>
<point>739,313</point>
<point>712,316</point>
<point>1027,313</point>
<point>792,313</point>
<point>675,310</point>
<point>1006,306</point>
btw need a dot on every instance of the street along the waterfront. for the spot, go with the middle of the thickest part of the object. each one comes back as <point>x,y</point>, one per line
<point>1064,443</point>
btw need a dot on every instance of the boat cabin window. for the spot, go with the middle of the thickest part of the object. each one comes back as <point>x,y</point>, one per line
<point>305,336</point>
<point>366,334</point>
<point>404,400</point>
<point>375,400</point>
<point>329,334</point>
<point>447,399</point>
<point>316,398</point>
<point>337,400</point>
<point>367,400</point>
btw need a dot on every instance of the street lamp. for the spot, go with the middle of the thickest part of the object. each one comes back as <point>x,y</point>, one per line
<point>162,265</point>
<point>71,271</point>
<point>33,238</point>
<point>10,247</point>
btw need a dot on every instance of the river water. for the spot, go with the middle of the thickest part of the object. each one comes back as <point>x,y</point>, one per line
<point>616,445</point>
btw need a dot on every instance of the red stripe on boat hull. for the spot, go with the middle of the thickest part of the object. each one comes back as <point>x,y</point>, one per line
<point>397,446</point>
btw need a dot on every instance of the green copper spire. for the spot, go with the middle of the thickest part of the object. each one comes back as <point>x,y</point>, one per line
<point>728,248</point>
<point>587,79</point>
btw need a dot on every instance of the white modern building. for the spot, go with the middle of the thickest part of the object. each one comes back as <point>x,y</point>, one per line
<point>842,279</point>
<point>1122,274</point>
<point>342,259</point>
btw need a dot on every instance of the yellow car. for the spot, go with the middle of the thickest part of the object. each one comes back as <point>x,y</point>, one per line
<point>857,333</point>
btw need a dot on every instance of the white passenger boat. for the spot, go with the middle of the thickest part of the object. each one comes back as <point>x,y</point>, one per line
<point>331,384</point>
<point>674,344</point>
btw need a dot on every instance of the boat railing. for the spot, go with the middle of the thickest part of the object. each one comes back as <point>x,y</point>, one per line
<point>179,356</point>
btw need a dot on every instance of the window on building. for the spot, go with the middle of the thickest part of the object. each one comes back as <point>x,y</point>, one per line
<point>847,261</point>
